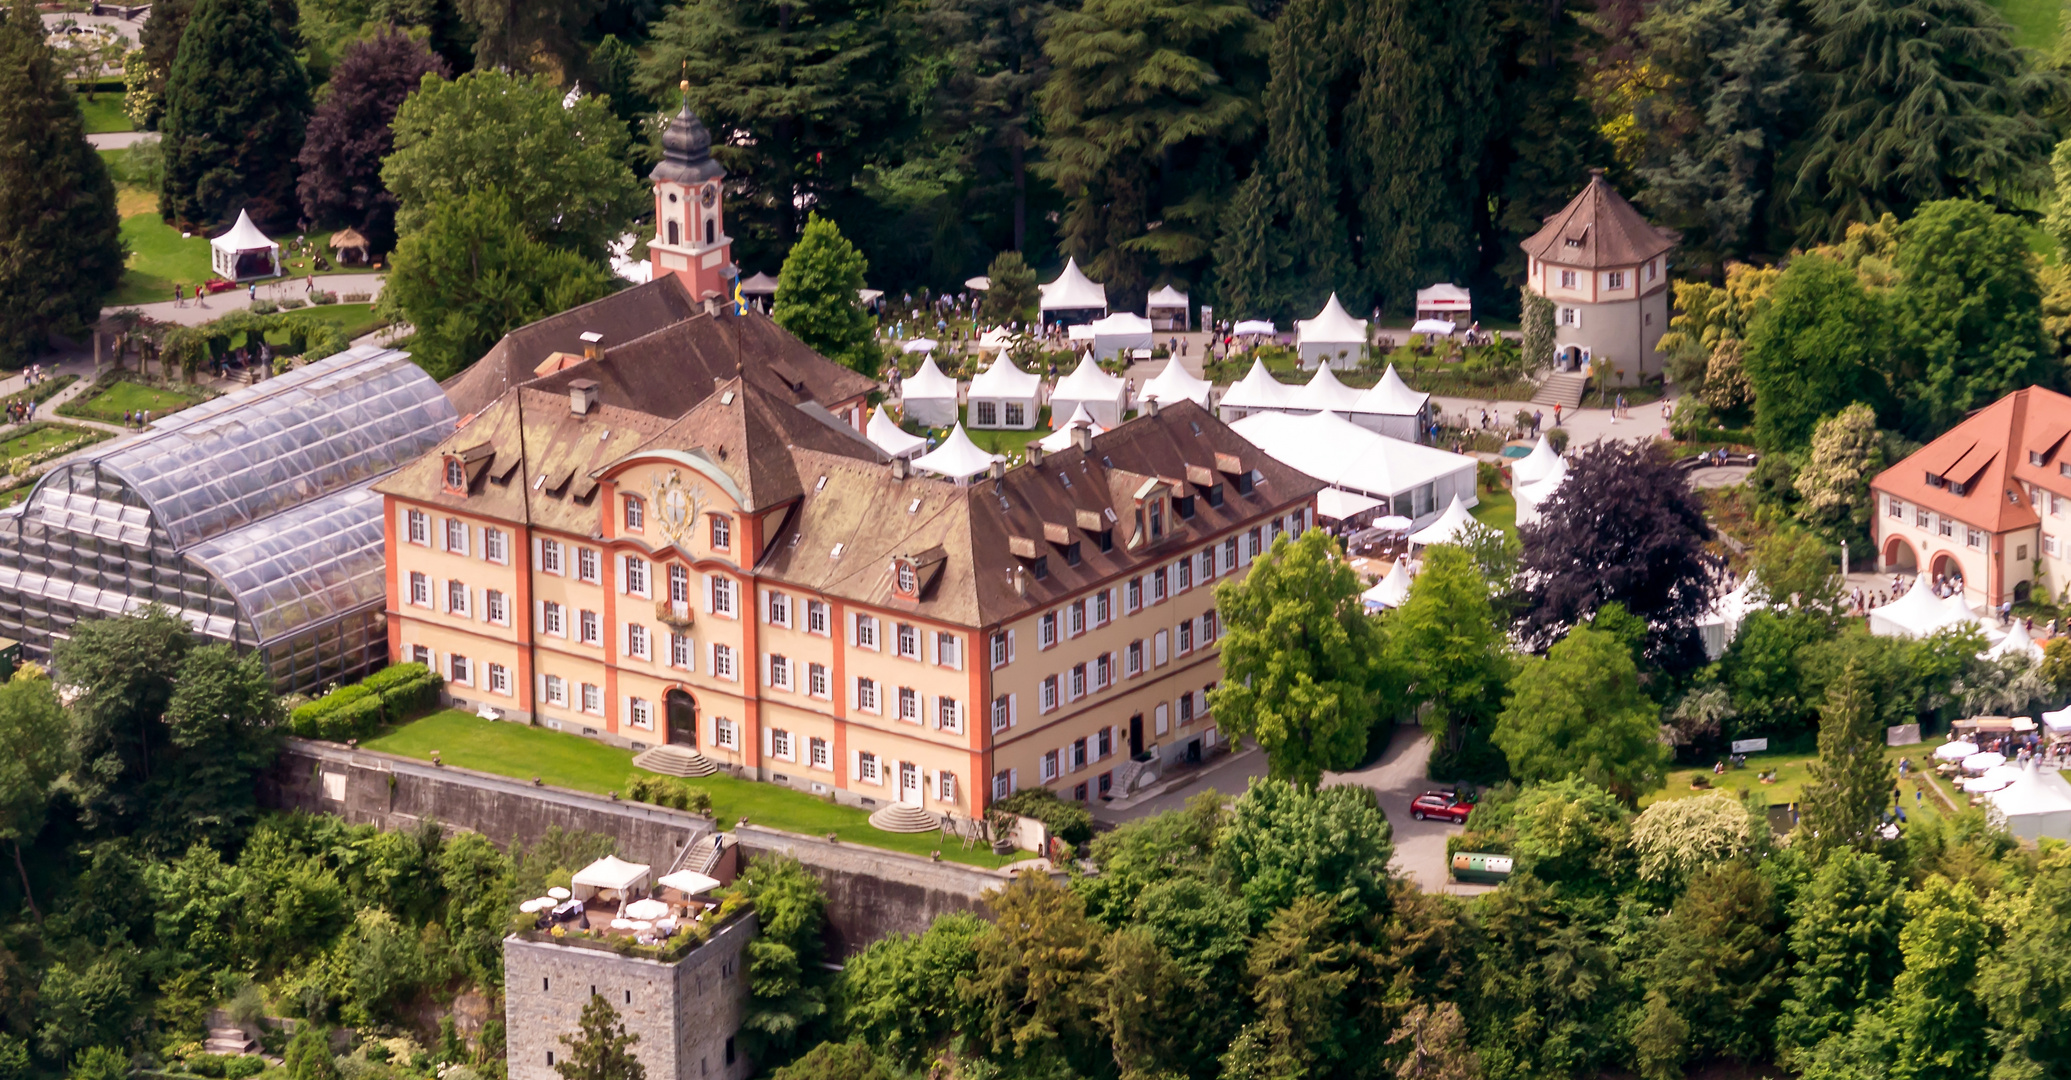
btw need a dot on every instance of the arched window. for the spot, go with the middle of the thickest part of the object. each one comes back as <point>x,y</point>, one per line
<point>675,234</point>
<point>711,231</point>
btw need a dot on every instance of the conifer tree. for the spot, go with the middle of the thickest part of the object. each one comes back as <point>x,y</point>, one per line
<point>60,239</point>
<point>1250,255</point>
<point>1309,63</point>
<point>602,1049</point>
<point>1011,295</point>
<point>236,104</point>
<point>1844,796</point>
<point>817,297</point>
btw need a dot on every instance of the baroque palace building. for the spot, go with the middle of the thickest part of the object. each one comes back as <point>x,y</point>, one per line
<point>684,539</point>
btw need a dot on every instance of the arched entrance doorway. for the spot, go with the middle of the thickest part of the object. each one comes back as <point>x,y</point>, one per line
<point>683,718</point>
<point>1569,359</point>
<point>1899,557</point>
<point>1948,568</point>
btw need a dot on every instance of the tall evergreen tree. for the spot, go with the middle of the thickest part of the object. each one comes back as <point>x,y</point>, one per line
<point>1968,313</point>
<point>1148,103</point>
<point>986,99</point>
<point>1544,132</point>
<point>816,297</point>
<point>1311,73</point>
<point>1250,254</point>
<point>1710,141</point>
<point>1417,128</point>
<point>602,1049</point>
<point>60,239</point>
<point>1844,936</point>
<point>517,35</point>
<point>1011,294</point>
<point>349,135</point>
<point>236,103</point>
<point>1845,795</point>
<point>1917,100</point>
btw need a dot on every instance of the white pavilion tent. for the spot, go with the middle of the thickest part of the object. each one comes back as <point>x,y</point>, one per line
<point>1332,338</point>
<point>1414,481</point>
<point>1073,297</point>
<point>1919,613</point>
<point>1060,440</point>
<point>1254,328</point>
<point>1536,465</point>
<point>609,874</point>
<point>1721,624</point>
<point>1391,590</point>
<point>996,339</point>
<point>1451,526</point>
<point>928,397</point>
<point>1167,309</point>
<point>1433,327</point>
<point>1392,408</point>
<point>2036,805</point>
<point>2016,641</point>
<point>1105,396</point>
<point>1324,393</point>
<point>759,285</point>
<point>921,345</point>
<point>891,438</point>
<point>1447,301</point>
<point>1533,495</point>
<point>1175,384</point>
<point>1120,334</point>
<point>1004,396</point>
<point>1339,505</point>
<point>244,253</point>
<point>958,458</point>
<point>688,882</point>
<point>1258,391</point>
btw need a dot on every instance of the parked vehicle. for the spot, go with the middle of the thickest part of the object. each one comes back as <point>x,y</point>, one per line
<point>1441,806</point>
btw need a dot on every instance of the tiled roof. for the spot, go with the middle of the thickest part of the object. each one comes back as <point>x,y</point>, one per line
<point>1598,229</point>
<point>667,372</point>
<point>1989,454</point>
<point>620,317</point>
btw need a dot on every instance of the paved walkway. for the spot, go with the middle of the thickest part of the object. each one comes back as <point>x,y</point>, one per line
<point>118,140</point>
<point>195,312</point>
<point>1398,777</point>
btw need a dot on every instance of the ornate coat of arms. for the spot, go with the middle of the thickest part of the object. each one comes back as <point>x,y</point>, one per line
<point>676,507</point>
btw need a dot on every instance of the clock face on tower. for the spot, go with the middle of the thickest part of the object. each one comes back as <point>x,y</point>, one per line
<point>711,194</point>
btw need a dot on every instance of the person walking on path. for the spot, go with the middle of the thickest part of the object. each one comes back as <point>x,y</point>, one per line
<point>179,297</point>
<point>1556,414</point>
<point>1539,417</point>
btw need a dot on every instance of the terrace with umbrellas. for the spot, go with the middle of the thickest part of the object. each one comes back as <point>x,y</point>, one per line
<point>616,904</point>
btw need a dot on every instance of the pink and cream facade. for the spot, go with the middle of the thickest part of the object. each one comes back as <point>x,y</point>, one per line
<point>752,581</point>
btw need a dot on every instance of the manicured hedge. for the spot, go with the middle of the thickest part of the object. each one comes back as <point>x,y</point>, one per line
<point>668,791</point>
<point>355,712</point>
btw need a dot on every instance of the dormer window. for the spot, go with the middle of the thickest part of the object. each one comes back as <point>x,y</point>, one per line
<point>1184,507</point>
<point>456,476</point>
<point>1244,483</point>
<point>1215,495</point>
<point>1071,553</point>
<point>1934,480</point>
<point>1156,512</point>
<point>1107,539</point>
<point>2034,457</point>
<point>722,532</point>
<point>908,580</point>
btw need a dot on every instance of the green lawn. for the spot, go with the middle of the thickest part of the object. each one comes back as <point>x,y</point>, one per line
<point>572,761</point>
<point>354,319</point>
<point>108,404</point>
<point>159,259</point>
<point>1498,510</point>
<point>1792,772</point>
<point>39,437</point>
<point>2036,21</point>
<point>104,114</point>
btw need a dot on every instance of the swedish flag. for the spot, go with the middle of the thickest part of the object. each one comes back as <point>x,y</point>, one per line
<point>740,303</point>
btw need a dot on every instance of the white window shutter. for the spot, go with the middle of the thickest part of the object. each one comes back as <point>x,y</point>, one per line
<point>535,553</point>
<point>1158,648</point>
<point>1010,646</point>
<point>855,765</point>
<point>708,594</point>
<point>768,743</point>
<point>619,567</point>
<point>1013,709</point>
<point>855,692</point>
<point>1013,780</point>
<point>767,600</point>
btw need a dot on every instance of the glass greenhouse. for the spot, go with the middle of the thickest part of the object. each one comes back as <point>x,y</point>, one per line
<point>251,516</point>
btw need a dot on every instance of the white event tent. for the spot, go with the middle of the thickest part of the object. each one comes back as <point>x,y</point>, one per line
<point>1534,478</point>
<point>2016,641</point>
<point>1060,440</point>
<point>1167,308</point>
<point>1333,338</point>
<point>1451,526</point>
<point>1446,301</point>
<point>1120,334</point>
<point>1073,297</point>
<point>2036,805</point>
<point>1254,328</point>
<point>1258,391</point>
<point>1391,590</point>
<point>958,458</point>
<point>891,438</point>
<point>608,874</point>
<point>928,397</point>
<point>1324,393</point>
<point>996,339</point>
<point>1415,481</point>
<point>1721,624</point>
<point>1920,613</point>
<point>1175,384</point>
<point>1004,396</point>
<point>244,252</point>
<point>1337,504</point>
<point>1392,408</point>
<point>1105,396</point>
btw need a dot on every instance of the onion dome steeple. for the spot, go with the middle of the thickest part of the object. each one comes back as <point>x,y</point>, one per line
<point>687,149</point>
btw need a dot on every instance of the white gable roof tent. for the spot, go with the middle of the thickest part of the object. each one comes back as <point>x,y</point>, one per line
<point>1120,333</point>
<point>1447,301</point>
<point>1451,526</point>
<point>244,253</point>
<point>1533,495</point>
<point>1414,481</point>
<point>1104,396</point>
<point>928,396</point>
<point>1254,328</point>
<point>1324,393</point>
<point>1535,465</point>
<point>1074,296</point>
<point>1721,624</point>
<point>1060,440</point>
<point>996,339</point>
<point>1337,504</point>
<point>608,874</point>
<point>1004,396</point>
<point>1333,337</point>
<point>1176,383</point>
<point>2034,806</point>
<point>1919,613</point>
<point>1392,408</point>
<point>1257,391</point>
<point>891,438</point>
<point>958,458</point>
<point>1167,309</point>
<point>1390,591</point>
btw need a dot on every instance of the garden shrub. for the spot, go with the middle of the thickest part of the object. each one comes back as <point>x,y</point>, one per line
<point>668,791</point>
<point>1069,822</point>
<point>395,675</point>
<point>321,296</point>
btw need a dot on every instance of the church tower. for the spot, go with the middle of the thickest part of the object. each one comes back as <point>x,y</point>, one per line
<point>690,238</point>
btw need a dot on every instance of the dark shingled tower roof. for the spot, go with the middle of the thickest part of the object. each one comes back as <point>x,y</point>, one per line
<point>1598,230</point>
<point>687,149</point>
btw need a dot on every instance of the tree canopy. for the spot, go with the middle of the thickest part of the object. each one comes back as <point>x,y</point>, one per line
<point>349,135</point>
<point>817,297</point>
<point>1579,711</point>
<point>236,102</point>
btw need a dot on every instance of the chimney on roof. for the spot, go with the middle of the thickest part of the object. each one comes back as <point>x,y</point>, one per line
<point>1150,406</point>
<point>1035,452</point>
<point>1019,576</point>
<point>592,345</point>
<point>999,470</point>
<point>1082,437</point>
<point>901,468</point>
<point>582,396</point>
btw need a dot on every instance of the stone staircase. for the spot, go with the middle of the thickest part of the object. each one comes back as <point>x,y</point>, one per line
<point>680,761</point>
<point>230,1040</point>
<point>1562,388</point>
<point>1134,775</point>
<point>904,818</point>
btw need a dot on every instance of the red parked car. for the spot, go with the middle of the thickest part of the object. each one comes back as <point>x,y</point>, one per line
<point>1441,806</point>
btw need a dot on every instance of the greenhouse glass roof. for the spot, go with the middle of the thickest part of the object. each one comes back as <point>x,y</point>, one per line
<point>305,566</point>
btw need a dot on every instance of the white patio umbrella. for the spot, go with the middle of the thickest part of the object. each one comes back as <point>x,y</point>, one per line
<point>647,909</point>
<point>1981,762</point>
<point>1392,523</point>
<point>559,893</point>
<point>1954,751</point>
<point>919,345</point>
<point>1978,785</point>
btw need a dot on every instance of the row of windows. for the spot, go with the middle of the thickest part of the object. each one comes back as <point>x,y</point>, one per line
<point>635,518</point>
<point>1136,657</point>
<point>457,537</point>
<point>1940,524</point>
<point>908,704</point>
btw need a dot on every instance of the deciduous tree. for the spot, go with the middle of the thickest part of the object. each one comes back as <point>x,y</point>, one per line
<point>1834,486</point>
<point>1036,979</point>
<point>1451,654</point>
<point>1676,839</point>
<point>124,668</point>
<point>817,297</point>
<point>1285,842</point>
<point>33,754</point>
<point>1579,711</point>
<point>786,998</point>
<point>1968,312</point>
<point>1301,659</point>
<point>1819,345</point>
<point>349,135</point>
<point>236,102</point>
<point>1011,294</point>
<point>1934,1003</point>
<point>60,240</point>
<point>1844,938</point>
